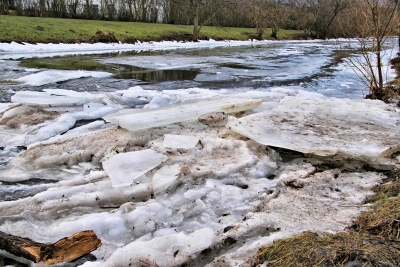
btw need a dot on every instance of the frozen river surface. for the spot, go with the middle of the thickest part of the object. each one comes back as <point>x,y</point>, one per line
<point>129,141</point>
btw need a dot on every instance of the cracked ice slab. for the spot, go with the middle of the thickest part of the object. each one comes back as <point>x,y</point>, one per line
<point>134,120</point>
<point>125,167</point>
<point>362,129</point>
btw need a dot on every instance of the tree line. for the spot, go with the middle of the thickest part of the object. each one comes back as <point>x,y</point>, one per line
<point>316,18</point>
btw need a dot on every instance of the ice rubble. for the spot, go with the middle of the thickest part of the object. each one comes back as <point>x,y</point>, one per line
<point>164,251</point>
<point>24,131</point>
<point>212,202</point>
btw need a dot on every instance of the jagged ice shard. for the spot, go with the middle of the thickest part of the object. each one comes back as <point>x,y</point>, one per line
<point>361,129</point>
<point>123,168</point>
<point>165,177</point>
<point>142,119</point>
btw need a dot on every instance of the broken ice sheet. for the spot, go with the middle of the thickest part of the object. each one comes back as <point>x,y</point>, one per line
<point>123,168</point>
<point>325,127</point>
<point>180,141</point>
<point>165,177</point>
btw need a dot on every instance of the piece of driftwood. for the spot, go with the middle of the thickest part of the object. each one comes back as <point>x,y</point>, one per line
<point>64,250</point>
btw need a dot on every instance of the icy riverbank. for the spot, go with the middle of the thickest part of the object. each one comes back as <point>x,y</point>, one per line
<point>213,194</point>
<point>15,50</point>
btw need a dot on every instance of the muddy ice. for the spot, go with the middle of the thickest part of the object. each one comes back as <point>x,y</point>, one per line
<point>185,192</point>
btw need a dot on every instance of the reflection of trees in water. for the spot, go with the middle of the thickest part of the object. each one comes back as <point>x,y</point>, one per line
<point>158,75</point>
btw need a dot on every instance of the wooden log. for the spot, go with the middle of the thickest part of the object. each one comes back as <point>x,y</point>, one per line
<point>65,250</point>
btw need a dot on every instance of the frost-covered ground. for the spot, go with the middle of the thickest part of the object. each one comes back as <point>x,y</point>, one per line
<point>165,179</point>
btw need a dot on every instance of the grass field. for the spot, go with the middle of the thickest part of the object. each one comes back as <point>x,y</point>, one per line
<point>55,30</point>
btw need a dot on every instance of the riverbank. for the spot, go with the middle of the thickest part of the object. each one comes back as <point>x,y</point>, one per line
<point>56,30</point>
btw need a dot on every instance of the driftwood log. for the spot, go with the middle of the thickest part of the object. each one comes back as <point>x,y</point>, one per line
<point>64,250</point>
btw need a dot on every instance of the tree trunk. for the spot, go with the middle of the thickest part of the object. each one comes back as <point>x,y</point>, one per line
<point>196,31</point>
<point>379,65</point>
<point>274,32</point>
<point>260,32</point>
<point>64,250</point>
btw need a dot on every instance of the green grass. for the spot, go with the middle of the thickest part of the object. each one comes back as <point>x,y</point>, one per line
<point>63,63</point>
<point>55,30</point>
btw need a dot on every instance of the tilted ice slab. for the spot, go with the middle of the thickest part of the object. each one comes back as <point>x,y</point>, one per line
<point>165,177</point>
<point>125,167</point>
<point>360,129</point>
<point>55,97</point>
<point>142,119</point>
<point>53,76</point>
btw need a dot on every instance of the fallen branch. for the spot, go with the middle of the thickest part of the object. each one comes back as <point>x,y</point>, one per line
<point>65,250</point>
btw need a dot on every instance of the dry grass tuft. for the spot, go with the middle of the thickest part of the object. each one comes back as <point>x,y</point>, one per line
<point>388,190</point>
<point>104,37</point>
<point>384,217</point>
<point>309,249</point>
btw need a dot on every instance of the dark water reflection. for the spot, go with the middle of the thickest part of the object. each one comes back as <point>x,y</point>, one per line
<point>150,75</point>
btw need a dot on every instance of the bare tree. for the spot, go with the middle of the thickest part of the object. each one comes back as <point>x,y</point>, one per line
<point>277,16</point>
<point>372,21</point>
<point>259,10</point>
<point>316,17</point>
<point>202,12</point>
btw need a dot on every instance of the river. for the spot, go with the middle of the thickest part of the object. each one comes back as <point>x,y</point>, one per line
<point>317,66</point>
